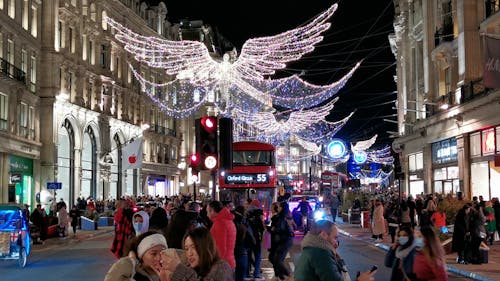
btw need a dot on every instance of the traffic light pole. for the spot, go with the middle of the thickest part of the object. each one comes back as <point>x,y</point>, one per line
<point>194,191</point>
<point>214,188</point>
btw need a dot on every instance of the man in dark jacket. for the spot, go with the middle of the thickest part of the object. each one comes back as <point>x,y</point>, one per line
<point>319,260</point>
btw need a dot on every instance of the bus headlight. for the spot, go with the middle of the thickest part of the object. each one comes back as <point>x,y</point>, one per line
<point>271,173</point>
<point>222,173</point>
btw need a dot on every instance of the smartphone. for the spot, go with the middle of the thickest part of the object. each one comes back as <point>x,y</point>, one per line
<point>169,252</point>
<point>374,268</point>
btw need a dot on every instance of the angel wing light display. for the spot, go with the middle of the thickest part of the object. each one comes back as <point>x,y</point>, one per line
<point>247,76</point>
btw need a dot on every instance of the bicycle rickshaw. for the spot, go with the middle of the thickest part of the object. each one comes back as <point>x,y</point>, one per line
<point>15,243</point>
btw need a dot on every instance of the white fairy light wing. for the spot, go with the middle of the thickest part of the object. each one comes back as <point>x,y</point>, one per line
<point>300,120</point>
<point>263,56</point>
<point>364,145</point>
<point>185,57</point>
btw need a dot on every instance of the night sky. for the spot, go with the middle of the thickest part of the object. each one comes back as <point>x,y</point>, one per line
<point>359,31</point>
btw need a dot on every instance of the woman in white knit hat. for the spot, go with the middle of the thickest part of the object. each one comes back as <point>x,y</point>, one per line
<point>143,261</point>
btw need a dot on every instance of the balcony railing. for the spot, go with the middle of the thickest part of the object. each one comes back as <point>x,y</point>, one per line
<point>164,131</point>
<point>12,71</point>
<point>445,33</point>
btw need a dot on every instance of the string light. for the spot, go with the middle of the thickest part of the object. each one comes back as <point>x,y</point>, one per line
<point>244,75</point>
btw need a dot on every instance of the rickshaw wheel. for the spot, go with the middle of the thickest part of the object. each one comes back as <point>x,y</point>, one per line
<point>22,257</point>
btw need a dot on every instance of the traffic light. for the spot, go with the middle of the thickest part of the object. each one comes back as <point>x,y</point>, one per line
<point>206,142</point>
<point>194,162</point>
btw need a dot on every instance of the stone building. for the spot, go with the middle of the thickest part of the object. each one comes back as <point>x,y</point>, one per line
<point>69,103</point>
<point>448,123</point>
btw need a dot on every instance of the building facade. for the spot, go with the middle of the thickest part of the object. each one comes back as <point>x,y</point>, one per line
<point>69,103</point>
<point>448,121</point>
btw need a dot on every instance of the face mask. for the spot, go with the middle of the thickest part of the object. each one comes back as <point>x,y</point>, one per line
<point>419,242</point>
<point>403,240</point>
<point>137,226</point>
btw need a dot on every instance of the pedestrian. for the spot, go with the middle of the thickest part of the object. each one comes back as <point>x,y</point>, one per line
<point>378,227</point>
<point>491,224</point>
<point>37,217</point>
<point>459,230</point>
<point>401,255</point>
<point>124,230</point>
<point>392,217</point>
<point>223,231</point>
<point>140,221</point>
<point>320,260</point>
<point>255,218</point>
<point>143,261</point>
<point>158,221</point>
<point>281,242</point>
<point>74,215</point>
<point>181,222</point>
<point>429,261</point>
<point>244,242</point>
<point>63,221</point>
<point>412,206</point>
<point>334,205</point>
<point>203,260</point>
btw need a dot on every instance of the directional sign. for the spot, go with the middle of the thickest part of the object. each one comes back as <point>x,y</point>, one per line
<point>54,185</point>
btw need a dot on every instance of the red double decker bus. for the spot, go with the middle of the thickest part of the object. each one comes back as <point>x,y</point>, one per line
<point>253,174</point>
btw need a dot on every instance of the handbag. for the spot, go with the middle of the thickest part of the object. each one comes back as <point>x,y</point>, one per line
<point>496,237</point>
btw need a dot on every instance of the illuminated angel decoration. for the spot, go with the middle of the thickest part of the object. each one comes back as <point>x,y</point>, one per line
<point>247,74</point>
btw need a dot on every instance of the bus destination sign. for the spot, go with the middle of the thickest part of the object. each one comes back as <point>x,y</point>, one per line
<point>247,178</point>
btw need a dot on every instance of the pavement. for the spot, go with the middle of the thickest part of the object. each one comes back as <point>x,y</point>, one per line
<point>81,235</point>
<point>484,272</point>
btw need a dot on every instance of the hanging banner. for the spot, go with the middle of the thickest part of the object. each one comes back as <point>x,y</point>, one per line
<point>132,155</point>
<point>491,75</point>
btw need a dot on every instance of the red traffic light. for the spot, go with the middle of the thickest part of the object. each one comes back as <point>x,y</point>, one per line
<point>194,159</point>
<point>209,123</point>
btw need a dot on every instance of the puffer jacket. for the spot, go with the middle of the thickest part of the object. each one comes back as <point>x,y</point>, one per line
<point>318,262</point>
<point>224,233</point>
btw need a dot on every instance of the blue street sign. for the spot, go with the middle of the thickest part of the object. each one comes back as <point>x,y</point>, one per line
<point>54,185</point>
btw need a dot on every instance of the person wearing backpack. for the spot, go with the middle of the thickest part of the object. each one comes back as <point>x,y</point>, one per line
<point>255,219</point>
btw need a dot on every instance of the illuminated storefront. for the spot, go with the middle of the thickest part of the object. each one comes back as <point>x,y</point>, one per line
<point>445,166</point>
<point>485,175</point>
<point>20,180</point>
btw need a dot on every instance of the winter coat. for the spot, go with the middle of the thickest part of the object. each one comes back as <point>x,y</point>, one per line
<point>129,269</point>
<point>224,233</point>
<point>439,219</point>
<point>459,230</point>
<point>378,221</point>
<point>318,261</point>
<point>63,217</point>
<point>221,271</point>
<point>424,270</point>
<point>393,260</point>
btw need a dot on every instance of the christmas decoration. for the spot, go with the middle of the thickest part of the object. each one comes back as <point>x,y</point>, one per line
<point>244,77</point>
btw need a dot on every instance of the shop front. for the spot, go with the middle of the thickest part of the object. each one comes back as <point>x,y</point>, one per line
<point>21,183</point>
<point>445,170</point>
<point>485,171</point>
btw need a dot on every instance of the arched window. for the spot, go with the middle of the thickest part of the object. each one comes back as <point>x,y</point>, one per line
<point>104,15</point>
<point>66,162</point>
<point>89,165</point>
<point>93,12</point>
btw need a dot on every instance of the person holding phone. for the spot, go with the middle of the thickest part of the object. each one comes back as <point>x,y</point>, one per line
<point>320,260</point>
<point>203,260</point>
<point>143,261</point>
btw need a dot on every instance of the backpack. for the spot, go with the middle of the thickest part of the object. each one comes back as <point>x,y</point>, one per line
<point>254,220</point>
